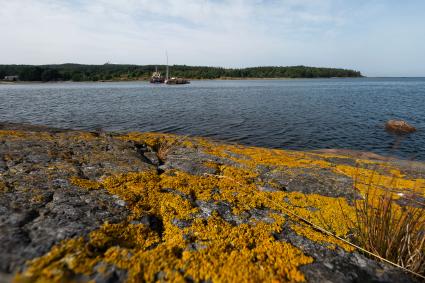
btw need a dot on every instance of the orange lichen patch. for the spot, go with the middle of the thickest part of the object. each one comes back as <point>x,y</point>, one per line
<point>144,195</point>
<point>130,236</point>
<point>382,167</point>
<point>242,253</point>
<point>154,140</point>
<point>60,138</point>
<point>367,178</point>
<point>209,248</point>
<point>221,247</point>
<point>327,212</point>
<point>142,191</point>
<point>241,175</point>
<point>55,266</point>
<point>77,136</point>
<point>145,254</point>
<point>85,184</point>
<point>326,240</point>
<point>3,187</point>
<point>150,139</point>
<point>79,256</point>
<point>11,133</point>
<point>334,215</point>
<point>200,187</point>
<point>254,156</point>
<point>140,251</point>
<point>37,198</point>
<point>212,164</point>
<point>251,157</point>
<point>396,173</point>
<point>235,186</point>
<point>46,136</point>
<point>386,168</point>
<point>139,190</point>
<point>387,177</point>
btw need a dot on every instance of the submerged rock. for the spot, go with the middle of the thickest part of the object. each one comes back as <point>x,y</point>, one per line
<point>79,206</point>
<point>399,127</point>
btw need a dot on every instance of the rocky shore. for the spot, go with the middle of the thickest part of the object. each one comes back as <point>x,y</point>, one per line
<point>142,207</point>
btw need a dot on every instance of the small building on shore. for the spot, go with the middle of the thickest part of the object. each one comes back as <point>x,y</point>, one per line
<point>11,78</point>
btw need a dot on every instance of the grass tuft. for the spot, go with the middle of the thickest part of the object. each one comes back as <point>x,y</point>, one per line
<point>163,146</point>
<point>391,230</point>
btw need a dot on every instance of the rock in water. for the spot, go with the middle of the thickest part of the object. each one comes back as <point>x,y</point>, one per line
<point>399,127</point>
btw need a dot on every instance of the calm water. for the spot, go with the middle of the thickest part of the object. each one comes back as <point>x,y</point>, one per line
<point>294,114</point>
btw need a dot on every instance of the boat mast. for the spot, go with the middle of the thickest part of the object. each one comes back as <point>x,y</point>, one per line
<point>166,70</point>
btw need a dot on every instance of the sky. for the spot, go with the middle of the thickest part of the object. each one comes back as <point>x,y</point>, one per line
<point>376,37</point>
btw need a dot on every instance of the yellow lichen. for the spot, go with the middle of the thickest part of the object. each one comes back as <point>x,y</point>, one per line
<point>333,214</point>
<point>154,140</point>
<point>77,136</point>
<point>211,248</point>
<point>251,157</point>
<point>221,246</point>
<point>65,137</point>
<point>3,187</point>
<point>12,133</point>
<point>242,253</point>
<point>37,198</point>
<point>84,183</point>
<point>365,179</point>
<point>58,264</point>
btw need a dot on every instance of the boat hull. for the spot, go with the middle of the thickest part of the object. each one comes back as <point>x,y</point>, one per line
<point>177,82</point>
<point>157,80</point>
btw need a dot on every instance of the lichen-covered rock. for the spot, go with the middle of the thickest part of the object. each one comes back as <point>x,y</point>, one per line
<point>144,207</point>
<point>39,204</point>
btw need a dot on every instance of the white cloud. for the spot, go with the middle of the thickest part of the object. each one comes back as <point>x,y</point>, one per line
<point>195,32</point>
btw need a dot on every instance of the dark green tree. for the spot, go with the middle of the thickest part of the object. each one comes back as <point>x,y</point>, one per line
<point>78,72</point>
<point>77,77</point>
<point>50,75</point>
<point>30,73</point>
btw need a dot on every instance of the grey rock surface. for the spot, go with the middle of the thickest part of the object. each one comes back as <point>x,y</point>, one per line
<point>40,206</point>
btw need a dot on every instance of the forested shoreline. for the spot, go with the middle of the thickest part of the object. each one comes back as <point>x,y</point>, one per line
<point>107,72</point>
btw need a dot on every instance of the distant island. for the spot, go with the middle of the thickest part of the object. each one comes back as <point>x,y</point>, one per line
<point>117,72</point>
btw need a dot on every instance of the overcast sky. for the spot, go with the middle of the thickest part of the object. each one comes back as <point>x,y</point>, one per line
<point>377,37</point>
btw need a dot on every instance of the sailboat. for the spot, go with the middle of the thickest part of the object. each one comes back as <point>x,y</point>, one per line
<point>157,78</point>
<point>173,80</point>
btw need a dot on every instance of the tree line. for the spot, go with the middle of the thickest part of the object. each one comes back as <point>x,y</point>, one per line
<point>106,72</point>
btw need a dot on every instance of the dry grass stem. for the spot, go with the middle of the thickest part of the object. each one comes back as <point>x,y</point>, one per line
<point>390,230</point>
